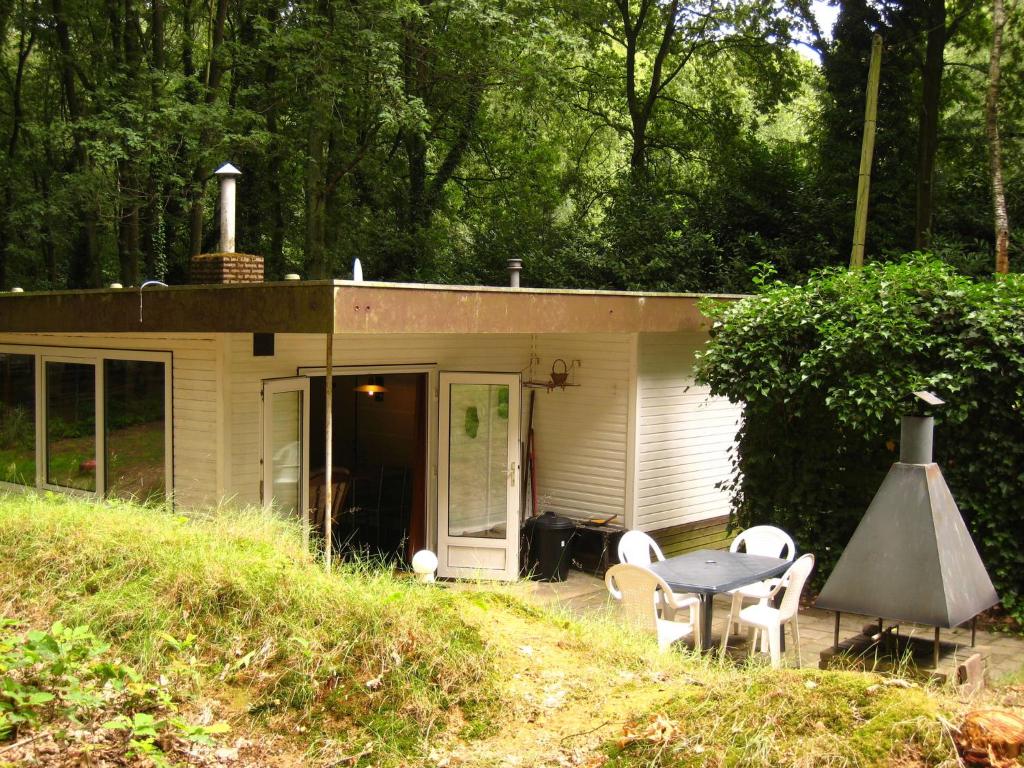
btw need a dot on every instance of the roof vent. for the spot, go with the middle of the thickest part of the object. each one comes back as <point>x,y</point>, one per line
<point>515,267</point>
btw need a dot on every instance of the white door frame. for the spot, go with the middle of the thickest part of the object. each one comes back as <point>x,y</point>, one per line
<point>272,387</point>
<point>447,565</point>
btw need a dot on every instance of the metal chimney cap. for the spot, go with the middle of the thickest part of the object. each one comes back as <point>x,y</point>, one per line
<point>227,170</point>
<point>929,398</point>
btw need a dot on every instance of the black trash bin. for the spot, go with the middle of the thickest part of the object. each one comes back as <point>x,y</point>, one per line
<point>548,541</point>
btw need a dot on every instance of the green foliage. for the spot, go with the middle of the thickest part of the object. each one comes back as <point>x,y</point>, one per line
<point>608,144</point>
<point>825,370</point>
<point>788,718</point>
<point>65,677</point>
<point>233,599</point>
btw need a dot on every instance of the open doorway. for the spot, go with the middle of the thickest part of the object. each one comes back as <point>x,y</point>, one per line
<point>379,462</point>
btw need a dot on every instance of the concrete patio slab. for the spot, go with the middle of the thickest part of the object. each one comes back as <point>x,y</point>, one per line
<point>584,594</point>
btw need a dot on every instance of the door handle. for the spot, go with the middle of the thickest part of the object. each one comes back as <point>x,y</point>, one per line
<point>512,471</point>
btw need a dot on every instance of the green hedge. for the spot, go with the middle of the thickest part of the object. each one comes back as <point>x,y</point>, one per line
<point>825,370</point>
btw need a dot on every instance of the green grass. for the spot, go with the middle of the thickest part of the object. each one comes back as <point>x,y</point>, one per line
<point>295,643</point>
<point>756,716</point>
<point>232,604</point>
<point>17,466</point>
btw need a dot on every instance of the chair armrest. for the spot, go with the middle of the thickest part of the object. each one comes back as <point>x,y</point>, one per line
<point>679,601</point>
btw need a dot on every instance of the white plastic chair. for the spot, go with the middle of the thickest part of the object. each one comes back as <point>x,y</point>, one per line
<point>637,548</point>
<point>766,540</point>
<point>641,591</point>
<point>762,617</point>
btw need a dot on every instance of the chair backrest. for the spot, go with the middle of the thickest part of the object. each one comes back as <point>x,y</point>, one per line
<point>766,540</point>
<point>637,587</point>
<point>340,482</point>
<point>635,548</point>
<point>794,580</point>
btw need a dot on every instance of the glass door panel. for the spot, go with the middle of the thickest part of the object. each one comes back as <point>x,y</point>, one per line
<point>286,446</point>
<point>71,459</point>
<point>478,460</point>
<point>478,464</point>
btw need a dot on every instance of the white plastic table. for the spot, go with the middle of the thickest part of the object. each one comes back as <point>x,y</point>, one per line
<point>710,571</point>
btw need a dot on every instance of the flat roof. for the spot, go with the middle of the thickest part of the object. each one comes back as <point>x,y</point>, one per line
<point>318,306</point>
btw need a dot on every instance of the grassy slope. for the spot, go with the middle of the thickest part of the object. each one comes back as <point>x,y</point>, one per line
<point>459,678</point>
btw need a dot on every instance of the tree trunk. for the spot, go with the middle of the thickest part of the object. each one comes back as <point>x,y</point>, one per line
<point>153,243</point>
<point>84,269</point>
<point>928,125</point>
<point>25,44</point>
<point>995,150</point>
<point>316,263</point>
<point>215,72</point>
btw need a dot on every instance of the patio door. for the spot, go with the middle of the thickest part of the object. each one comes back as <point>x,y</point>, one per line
<point>478,476</point>
<point>285,482</point>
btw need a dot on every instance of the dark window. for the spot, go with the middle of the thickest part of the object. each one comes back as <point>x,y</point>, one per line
<point>263,345</point>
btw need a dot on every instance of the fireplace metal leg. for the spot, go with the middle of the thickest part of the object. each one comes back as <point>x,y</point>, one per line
<point>835,632</point>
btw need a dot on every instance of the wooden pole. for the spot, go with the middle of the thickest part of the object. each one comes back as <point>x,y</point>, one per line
<point>867,151</point>
<point>328,446</point>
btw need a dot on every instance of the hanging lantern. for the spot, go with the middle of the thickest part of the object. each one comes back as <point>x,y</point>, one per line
<point>374,386</point>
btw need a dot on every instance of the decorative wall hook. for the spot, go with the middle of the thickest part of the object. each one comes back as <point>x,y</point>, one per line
<point>561,375</point>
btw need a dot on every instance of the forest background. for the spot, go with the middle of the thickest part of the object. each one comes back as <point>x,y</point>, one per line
<point>636,144</point>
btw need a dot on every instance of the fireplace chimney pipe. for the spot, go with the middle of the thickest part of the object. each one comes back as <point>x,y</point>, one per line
<point>227,174</point>
<point>916,439</point>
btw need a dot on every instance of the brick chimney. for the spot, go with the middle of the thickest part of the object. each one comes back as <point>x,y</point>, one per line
<point>226,266</point>
<point>213,268</point>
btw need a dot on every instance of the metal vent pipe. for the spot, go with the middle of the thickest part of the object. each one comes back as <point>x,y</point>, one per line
<point>916,439</point>
<point>227,174</point>
<point>515,266</point>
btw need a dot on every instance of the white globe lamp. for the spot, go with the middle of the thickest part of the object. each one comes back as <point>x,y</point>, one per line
<point>424,564</point>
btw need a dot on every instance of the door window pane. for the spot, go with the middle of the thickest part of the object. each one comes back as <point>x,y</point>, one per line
<point>286,452</point>
<point>71,425</point>
<point>17,419</point>
<point>134,411</point>
<point>478,461</point>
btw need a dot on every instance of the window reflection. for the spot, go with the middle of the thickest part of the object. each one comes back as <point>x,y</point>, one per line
<point>17,419</point>
<point>71,425</point>
<point>134,411</point>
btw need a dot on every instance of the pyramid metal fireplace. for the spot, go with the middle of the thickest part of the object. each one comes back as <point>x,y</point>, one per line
<point>911,558</point>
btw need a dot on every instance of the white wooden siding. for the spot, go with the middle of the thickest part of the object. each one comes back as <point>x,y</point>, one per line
<point>683,436</point>
<point>196,437</point>
<point>581,432</point>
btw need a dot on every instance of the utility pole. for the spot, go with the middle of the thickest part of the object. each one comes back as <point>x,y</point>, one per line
<point>867,151</point>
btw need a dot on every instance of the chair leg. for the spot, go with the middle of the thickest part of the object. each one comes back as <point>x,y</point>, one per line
<point>733,612</point>
<point>773,645</point>
<point>695,623</point>
<point>795,631</point>
<point>752,638</point>
<point>737,605</point>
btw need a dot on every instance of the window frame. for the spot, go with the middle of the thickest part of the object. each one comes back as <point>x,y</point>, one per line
<point>96,357</point>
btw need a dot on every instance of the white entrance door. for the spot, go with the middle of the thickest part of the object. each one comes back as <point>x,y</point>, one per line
<point>478,476</point>
<point>285,483</point>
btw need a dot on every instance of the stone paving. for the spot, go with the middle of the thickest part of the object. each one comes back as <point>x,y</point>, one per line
<point>583,594</point>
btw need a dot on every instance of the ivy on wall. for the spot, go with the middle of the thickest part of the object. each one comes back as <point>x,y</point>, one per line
<point>825,371</point>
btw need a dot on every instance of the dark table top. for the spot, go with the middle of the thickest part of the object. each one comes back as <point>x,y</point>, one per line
<point>713,570</point>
